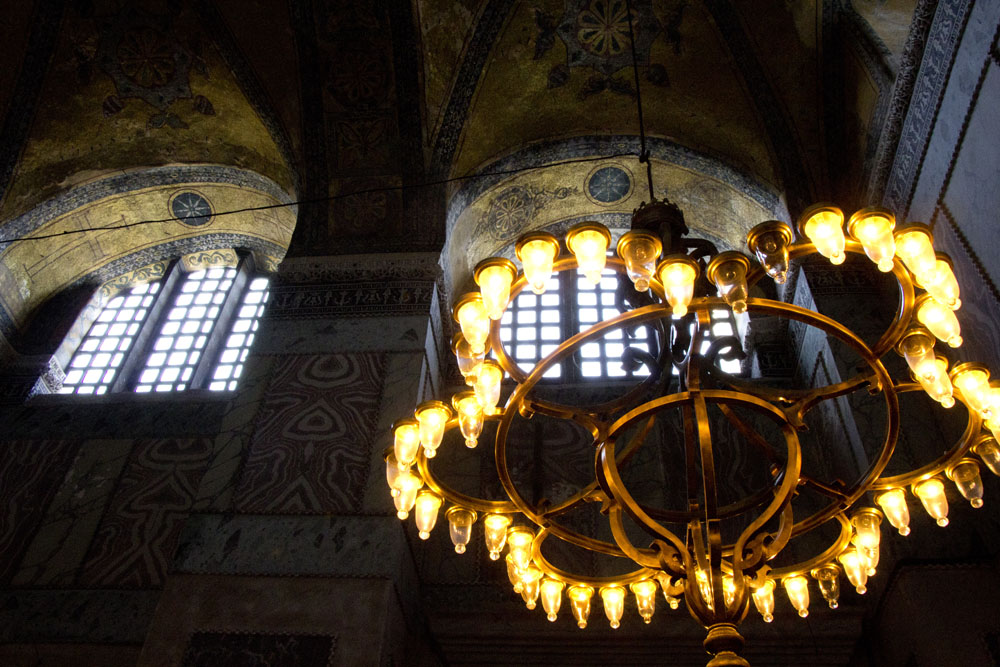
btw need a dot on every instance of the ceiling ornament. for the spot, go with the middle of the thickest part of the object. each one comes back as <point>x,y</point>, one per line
<point>730,514</point>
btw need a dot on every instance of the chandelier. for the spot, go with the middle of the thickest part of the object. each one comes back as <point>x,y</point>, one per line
<point>680,282</point>
<point>711,549</point>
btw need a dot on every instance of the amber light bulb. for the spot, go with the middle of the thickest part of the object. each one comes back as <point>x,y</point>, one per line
<point>931,494</point>
<point>513,574</point>
<point>973,381</point>
<point>677,273</point>
<point>728,271</point>
<point>893,503</point>
<point>828,578</point>
<point>460,522</point>
<point>470,313</point>
<point>426,512</point>
<point>408,485</point>
<point>823,225</point>
<point>917,347</point>
<point>589,241</point>
<point>487,386</point>
<point>915,246</point>
<point>663,578</point>
<point>645,598</point>
<point>551,592</point>
<point>468,361</point>
<point>495,533</point>
<point>873,227</point>
<point>432,417</point>
<point>939,319</point>
<point>531,578</point>
<point>406,442</point>
<point>866,523</point>
<point>941,283</point>
<point>763,600</point>
<point>494,277</point>
<point>855,568</point>
<point>965,475</point>
<point>519,541</point>
<point>613,598</point>
<point>769,242</point>
<point>579,601</point>
<point>537,252</point>
<point>470,416</point>
<point>797,588</point>
<point>640,252</point>
<point>938,384</point>
<point>988,450</point>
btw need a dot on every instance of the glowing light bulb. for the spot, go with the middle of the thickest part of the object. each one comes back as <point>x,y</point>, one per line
<point>468,361</point>
<point>470,313</point>
<point>914,245</point>
<point>640,251</point>
<point>460,522</point>
<point>513,574</point>
<point>866,522</point>
<point>855,568</point>
<point>869,558</point>
<point>537,252</point>
<point>494,277</point>
<point>763,600</point>
<point>917,347</point>
<point>432,417</point>
<point>530,585</point>
<point>613,598</point>
<point>495,533</point>
<point>769,242</point>
<point>965,475</point>
<point>931,494</point>
<point>988,450</point>
<point>935,381</point>
<point>645,598</point>
<point>824,226</point>
<point>470,416</point>
<point>519,541</point>
<point>426,512</point>
<point>828,578</point>
<point>728,271</point>
<point>588,241</point>
<point>872,227</point>
<point>705,588</point>
<point>797,588</point>
<point>940,283</point>
<point>893,503</point>
<point>408,485</point>
<point>677,273</point>
<point>579,601</point>
<point>551,592</point>
<point>973,381</point>
<point>487,386</point>
<point>406,442</point>
<point>940,320</point>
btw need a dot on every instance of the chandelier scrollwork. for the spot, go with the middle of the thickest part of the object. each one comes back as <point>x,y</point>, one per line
<point>692,554</point>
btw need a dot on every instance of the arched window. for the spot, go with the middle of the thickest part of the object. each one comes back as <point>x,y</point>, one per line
<point>533,326</point>
<point>188,330</point>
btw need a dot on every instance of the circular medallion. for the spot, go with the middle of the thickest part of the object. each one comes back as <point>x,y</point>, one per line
<point>608,185</point>
<point>191,208</point>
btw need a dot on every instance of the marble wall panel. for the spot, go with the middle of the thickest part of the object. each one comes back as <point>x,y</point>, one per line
<point>359,546</point>
<point>78,655</point>
<point>343,334</point>
<point>352,612</point>
<point>31,472</point>
<point>312,443</point>
<point>243,649</point>
<point>139,531</point>
<point>64,535</point>
<point>99,616</point>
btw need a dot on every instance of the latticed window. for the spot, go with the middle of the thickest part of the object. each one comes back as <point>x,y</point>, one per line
<point>533,326</point>
<point>188,330</point>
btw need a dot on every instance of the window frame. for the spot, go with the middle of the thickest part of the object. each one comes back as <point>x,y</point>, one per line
<point>127,376</point>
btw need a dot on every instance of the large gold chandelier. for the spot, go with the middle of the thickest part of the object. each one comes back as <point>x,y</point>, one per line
<point>684,554</point>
